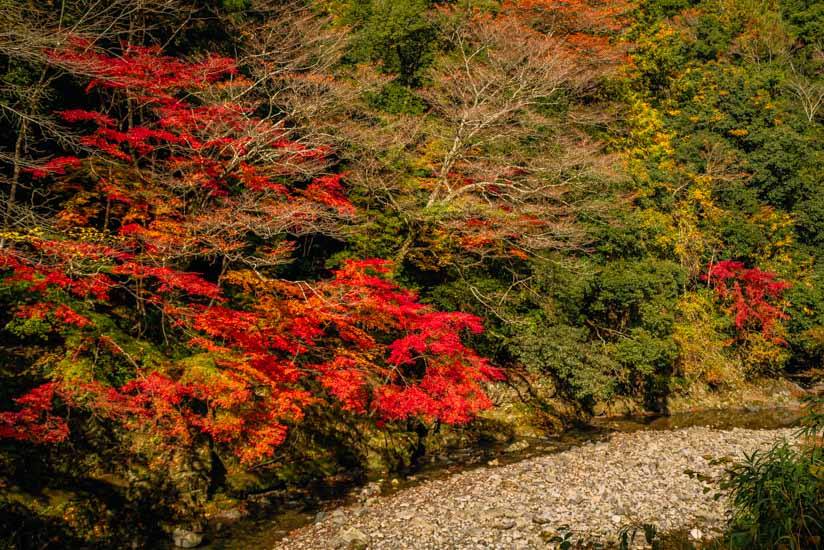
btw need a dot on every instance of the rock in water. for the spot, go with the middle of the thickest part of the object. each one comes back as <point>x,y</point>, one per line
<point>183,538</point>
<point>230,515</point>
<point>351,539</point>
<point>517,447</point>
<point>372,489</point>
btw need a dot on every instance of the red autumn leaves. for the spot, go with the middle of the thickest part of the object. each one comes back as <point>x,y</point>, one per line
<point>185,169</point>
<point>751,294</point>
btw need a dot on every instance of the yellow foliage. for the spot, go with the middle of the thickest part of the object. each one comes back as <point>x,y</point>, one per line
<point>660,225</point>
<point>648,141</point>
<point>436,252</point>
<point>761,356</point>
<point>703,351</point>
<point>15,236</point>
<point>88,234</point>
<point>664,32</point>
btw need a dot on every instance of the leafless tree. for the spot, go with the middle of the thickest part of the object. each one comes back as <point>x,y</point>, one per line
<point>809,88</point>
<point>506,163</point>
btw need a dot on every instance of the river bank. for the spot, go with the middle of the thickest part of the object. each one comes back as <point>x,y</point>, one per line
<point>263,528</point>
<point>597,489</point>
<point>510,433</point>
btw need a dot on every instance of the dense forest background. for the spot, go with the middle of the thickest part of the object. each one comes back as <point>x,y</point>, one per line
<point>246,243</point>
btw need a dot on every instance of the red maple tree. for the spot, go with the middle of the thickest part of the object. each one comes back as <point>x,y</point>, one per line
<point>182,169</point>
<point>749,293</point>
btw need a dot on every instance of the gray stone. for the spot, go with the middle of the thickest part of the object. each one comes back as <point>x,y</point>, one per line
<point>517,446</point>
<point>596,488</point>
<point>504,523</point>
<point>371,489</point>
<point>542,519</point>
<point>231,515</point>
<point>183,538</point>
<point>338,517</point>
<point>421,524</point>
<point>599,409</point>
<point>351,539</point>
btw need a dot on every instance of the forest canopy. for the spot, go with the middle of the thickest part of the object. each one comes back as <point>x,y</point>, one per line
<point>244,235</point>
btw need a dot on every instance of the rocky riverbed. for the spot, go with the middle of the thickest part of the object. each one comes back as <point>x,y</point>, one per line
<point>597,489</point>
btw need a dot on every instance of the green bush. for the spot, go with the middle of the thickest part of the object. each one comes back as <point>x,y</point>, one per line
<point>580,369</point>
<point>778,495</point>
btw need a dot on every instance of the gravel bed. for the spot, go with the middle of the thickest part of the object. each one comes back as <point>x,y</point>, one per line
<point>596,489</point>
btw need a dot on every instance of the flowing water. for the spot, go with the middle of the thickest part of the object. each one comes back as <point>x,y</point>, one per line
<point>257,533</point>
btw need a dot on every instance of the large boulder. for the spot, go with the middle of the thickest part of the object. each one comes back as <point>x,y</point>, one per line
<point>351,539</point>
<point>184,538</point>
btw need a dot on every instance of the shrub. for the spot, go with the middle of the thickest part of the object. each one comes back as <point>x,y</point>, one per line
<point>778,495</point>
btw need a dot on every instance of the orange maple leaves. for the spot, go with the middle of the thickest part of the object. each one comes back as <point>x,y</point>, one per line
<point>252,351</point>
